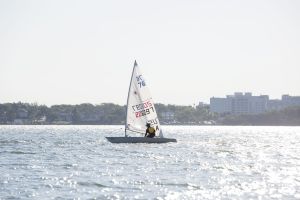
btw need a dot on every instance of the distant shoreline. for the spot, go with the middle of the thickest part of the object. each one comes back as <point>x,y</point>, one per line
<point>123,125</point>
<point>113,114</point>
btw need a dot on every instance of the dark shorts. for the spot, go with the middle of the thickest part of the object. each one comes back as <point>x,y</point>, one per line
<point>151,135</point>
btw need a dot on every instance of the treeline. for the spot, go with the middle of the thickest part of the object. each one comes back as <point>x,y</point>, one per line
<point>175,114</point>
<point>24,113</point>
<point>289,116</point>
<point>109,113</point>
<point>106,113</point>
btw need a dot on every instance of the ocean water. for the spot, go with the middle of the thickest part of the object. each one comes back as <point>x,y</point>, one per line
<point>207,162</point>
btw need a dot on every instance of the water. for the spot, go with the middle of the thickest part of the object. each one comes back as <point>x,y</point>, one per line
<point>67,162</point>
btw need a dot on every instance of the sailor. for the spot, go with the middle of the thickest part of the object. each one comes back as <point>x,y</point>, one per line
<point>150,131</point>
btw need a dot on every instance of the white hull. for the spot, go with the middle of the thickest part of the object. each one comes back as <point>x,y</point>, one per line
<point>139,140</point>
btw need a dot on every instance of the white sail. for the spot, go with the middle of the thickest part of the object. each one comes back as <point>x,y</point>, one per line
<point>140,105</point>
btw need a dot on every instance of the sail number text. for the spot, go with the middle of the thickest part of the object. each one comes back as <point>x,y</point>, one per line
<point>143,109</point>
<point>140,81</point>
<point>144,112</point>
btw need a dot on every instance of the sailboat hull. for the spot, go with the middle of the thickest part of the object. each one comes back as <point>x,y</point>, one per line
<point>139,140</point>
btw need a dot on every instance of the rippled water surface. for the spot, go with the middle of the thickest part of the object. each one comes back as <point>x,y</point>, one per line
<point>44,162</point>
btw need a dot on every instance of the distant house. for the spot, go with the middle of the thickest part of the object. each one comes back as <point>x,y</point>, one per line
<point>41,120</point>
<point>168,117</point>
<point>21,117</point>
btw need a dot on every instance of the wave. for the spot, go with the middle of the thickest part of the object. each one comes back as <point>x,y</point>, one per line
<point>17,152</point>
<point>91,184</point>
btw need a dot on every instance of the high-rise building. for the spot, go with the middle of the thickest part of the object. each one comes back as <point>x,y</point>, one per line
<point>220,105</point>
<point>239,103</point>
<point>286,101</point>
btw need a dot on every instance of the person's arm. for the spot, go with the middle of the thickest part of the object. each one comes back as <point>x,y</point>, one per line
<point>146,132</point>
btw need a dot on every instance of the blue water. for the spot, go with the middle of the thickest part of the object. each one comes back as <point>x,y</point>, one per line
<point>67,162</point>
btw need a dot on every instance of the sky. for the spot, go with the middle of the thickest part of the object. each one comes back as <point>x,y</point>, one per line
<point>72,52</point>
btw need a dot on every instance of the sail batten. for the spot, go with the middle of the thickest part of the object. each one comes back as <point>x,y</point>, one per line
<point>140,106</point>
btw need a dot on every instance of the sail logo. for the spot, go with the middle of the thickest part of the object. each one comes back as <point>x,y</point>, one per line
<point>140,81</point>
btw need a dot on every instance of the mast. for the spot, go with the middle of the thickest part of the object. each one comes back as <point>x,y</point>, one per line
<point>135,65</point>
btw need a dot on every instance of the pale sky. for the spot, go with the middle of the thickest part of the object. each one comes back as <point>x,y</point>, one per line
<point>71,52</point>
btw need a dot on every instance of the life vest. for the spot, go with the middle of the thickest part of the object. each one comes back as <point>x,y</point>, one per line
<point>151,130</point>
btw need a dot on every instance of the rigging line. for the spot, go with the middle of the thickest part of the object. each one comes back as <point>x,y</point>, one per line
<point>134,131</point>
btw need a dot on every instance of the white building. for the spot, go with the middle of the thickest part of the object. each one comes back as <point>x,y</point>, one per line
<point>286,101</point>
<point>220,105</point>
<point>168,116</point>
<point>239,103</point>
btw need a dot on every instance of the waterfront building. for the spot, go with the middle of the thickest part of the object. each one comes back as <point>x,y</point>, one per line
<point>221,105</point>
<point>286,101</point>
<point>239,103</point>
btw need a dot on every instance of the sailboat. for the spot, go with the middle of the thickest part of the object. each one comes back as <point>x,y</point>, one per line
<point>139,112</point>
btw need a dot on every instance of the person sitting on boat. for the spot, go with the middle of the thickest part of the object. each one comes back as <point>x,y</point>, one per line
<point>150,131</point>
